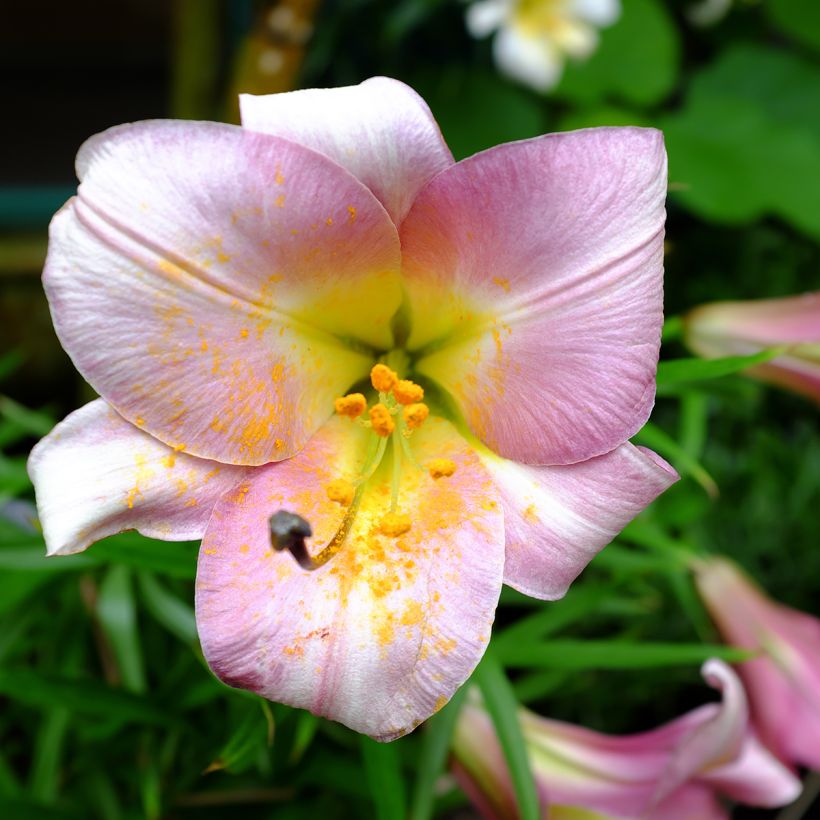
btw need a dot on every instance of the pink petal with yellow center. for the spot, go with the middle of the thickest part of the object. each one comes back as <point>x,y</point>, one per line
<point>534,273</point>
<point>382,635</point>
<point>96,474</point>
<point>206,279</point>
<point>380,130</point>
<point>558,518</point>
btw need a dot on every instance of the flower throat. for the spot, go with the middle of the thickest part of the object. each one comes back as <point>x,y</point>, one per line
<point>398,413</point>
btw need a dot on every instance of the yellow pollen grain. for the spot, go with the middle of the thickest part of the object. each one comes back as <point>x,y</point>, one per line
<point>381,420</point>
<point>352,405</point>
<point>341,492</point>
<point>139,421</point>
<point>352,213</point>
<point>394,524</point>
<point>407,392</point>
<point>415,415</point>
<point>383,378</point>
<point>441,467</point>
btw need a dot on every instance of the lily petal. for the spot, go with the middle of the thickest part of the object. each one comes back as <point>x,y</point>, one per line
<point>383,634</point>
<point>558,518</point>
<point>537,267</point>
<point>202,279</point>
<point>96,474</point>
<point>380,130</point>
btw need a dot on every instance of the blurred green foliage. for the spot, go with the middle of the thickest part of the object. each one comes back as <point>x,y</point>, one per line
<point>109,709</point>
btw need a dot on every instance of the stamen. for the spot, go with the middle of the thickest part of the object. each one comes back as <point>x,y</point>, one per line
<point>351,405</point>
<point>381,420</point>
<point>407,392</point>
<point>340,491</point>
<point>394,524</point>
<point>441,467</point>
<point>383,378</point>
<point>415,415</point>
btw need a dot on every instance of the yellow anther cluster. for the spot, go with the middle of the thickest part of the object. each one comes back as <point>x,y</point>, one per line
<point>341,492</point>
<point>381,420</point>
<point>394,524</point>
<point>441,467</point>
<point>407,392</point>
<point>351,405</point>
<point>383,378</point>
<point>415,415</point>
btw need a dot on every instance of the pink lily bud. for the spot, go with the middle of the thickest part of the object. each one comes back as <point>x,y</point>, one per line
<point>784,681</point>
<point>676,771</point>
<point>742,328</point>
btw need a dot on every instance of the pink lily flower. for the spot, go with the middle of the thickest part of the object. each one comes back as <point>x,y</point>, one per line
<point>225,288</point>
<point>784,681</point>
<point>674,772</point>
<point>742,328</point>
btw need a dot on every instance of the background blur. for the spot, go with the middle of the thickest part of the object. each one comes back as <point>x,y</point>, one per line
<point>108,710</point>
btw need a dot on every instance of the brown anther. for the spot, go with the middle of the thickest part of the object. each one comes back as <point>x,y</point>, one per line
<point>383,378</point>
<point>341,492</point>
<point>407,392</point>
<point>441,467</point>
<point>381,420</point>
<point>352,405</point>
<point>415,415</point>
<point>394,524</point>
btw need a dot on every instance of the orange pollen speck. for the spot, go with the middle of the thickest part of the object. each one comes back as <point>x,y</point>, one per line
<point>415,415</point>
<point>441,467</point>
<point>407,392</point>
<point>341,492</point>
<point>394,524</point>
<point>383,378</point>
<point>352,405</point>
<point>381,420</point>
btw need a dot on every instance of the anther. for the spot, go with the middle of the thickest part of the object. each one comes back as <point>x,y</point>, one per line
<point>351,405</point>
<point>381,420</point>
<point>394,524</point>
<point>441,467</point>
<point>415,415</point>
<point>340,491</point>
<point>407,392</point>
<point>288,532</point>
<point>383,378</point>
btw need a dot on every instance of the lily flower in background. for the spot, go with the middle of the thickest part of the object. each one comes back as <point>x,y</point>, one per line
<point>675,772</point>
<point>784,681</point>
<point>378,383</point>
<point>742,328</point>
<point>535,37</point>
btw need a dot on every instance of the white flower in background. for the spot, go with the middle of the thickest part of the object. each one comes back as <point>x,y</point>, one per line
<point>534,37</point>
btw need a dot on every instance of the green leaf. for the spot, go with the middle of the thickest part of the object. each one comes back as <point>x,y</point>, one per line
<point>570,654</point>
<point>9,362</point>
<point>382,767</point>
<point>174,614</point>
<point>88,697</point>
<point>797,18</point>
<point>177,559</point>
<point>253,732</point>
<point>747,139</point>
<point>435,745</point>
<point>677,371</point>
<point>637,60</point>
<point>116,611</point>
<point>48,752</point>
<point>655,438</point>
<point>35,422</point>
<point>461,96</point>
<point>502,706</point>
